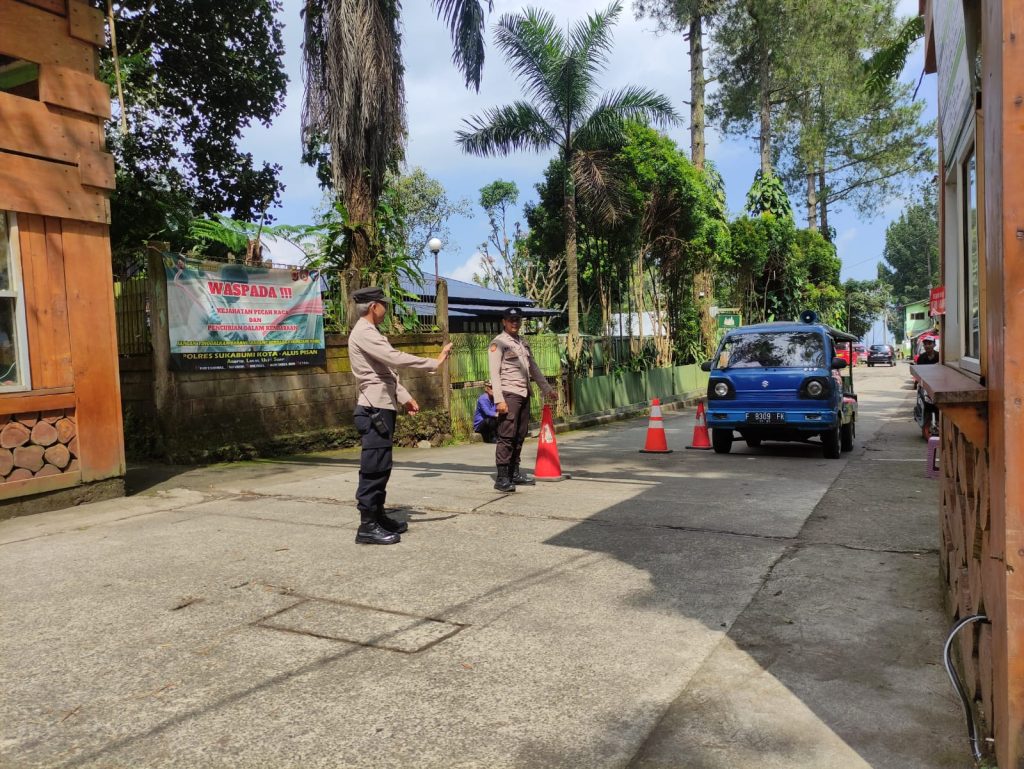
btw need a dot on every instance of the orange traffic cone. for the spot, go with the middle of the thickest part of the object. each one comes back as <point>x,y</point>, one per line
<point>548,467</point>
<point>656,443</point>
<point>700,430</point>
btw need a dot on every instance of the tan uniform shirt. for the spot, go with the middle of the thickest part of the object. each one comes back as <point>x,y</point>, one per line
<point>512,367</point>
<point>374,361</point>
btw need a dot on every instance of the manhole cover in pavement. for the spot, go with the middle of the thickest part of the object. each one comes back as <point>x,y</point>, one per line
<point>363,625</point>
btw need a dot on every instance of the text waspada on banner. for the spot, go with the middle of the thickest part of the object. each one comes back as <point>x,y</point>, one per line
<point>235,316</point>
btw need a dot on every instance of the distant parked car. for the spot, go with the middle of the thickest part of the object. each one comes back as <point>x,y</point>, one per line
<point>860,352</point>
<point>879,354</point>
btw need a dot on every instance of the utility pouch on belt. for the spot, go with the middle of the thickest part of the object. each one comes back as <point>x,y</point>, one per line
<point>377,420</point>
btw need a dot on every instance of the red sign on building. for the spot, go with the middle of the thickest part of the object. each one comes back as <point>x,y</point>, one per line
<point>937,301</point>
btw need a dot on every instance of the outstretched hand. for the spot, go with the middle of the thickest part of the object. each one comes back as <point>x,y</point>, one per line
<point>443,356</point>
<point>551,396</point>
<point>412,406</point>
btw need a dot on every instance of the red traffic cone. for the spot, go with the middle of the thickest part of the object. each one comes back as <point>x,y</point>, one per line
<point>548,467</point>
<point>655,443</point>
<point>700,430</point>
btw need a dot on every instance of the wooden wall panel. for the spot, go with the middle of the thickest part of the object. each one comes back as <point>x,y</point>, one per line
<point>94,349</point>
<point>33,34</point>
<point>30,127</point>
<point>1008,647</point>
<point>78,91</point>
<point>97,169</point>
<point>86,23</point>
<point>53,6</point>
<point>50,189</point>
<point>49,339</point>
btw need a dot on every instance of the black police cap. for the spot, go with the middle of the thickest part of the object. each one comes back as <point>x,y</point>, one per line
<point>512,313</point>
<point>369,294</point>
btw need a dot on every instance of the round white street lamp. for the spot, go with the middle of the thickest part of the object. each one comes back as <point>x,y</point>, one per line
<point>434,244</point>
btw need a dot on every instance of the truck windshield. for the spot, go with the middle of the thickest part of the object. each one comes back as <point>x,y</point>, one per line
<point>793,349</point>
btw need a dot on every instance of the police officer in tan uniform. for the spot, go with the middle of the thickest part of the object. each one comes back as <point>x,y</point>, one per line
<point>374,361</point>
<point>512,367</point>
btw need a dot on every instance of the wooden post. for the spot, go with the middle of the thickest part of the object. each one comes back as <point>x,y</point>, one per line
<point>163,379</point>
<point>441,318</point>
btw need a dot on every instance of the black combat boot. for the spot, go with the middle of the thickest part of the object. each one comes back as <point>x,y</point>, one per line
<point>520,478</point>
<point>390,524</point>
<point>504,482</point>
<point>370,532</point>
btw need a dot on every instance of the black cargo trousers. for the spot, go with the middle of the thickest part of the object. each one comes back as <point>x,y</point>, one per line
<point>513,428</point>
<point>376,429</point>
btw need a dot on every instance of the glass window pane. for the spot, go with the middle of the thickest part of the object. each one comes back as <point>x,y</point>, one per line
<point>798,349</point>
<point>5,254</point>
<point>972,277</point>
<point>9,373</point>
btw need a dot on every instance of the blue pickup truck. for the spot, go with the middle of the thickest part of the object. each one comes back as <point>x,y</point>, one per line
<point>783,382</point>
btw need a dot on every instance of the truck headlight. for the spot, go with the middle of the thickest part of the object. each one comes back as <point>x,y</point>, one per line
<point>721,389</point>
<point>815,388</point>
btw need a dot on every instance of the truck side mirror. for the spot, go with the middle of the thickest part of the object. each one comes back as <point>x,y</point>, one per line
<point>838,364</point>
<point>705,366</point>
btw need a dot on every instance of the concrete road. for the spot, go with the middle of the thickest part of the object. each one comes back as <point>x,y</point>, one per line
<point>768,608</point>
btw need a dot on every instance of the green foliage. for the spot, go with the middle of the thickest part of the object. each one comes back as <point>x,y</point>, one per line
<point>816,261</point>
<point>426,209</point>
<point>558,71</point>
<point>768,196</point>
<point>886,64</point>
<point>911,257</point>
<point>865,301</point>
<point>223,237</point>
<point>500,269</point>
<point>766,279</point>
<point>195,75</point>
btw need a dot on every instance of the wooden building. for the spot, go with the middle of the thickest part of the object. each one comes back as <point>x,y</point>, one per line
<point>60,415</point>
<point>976,47</point>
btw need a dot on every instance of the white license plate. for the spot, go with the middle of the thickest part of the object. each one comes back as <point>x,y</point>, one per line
<point>766,417</point>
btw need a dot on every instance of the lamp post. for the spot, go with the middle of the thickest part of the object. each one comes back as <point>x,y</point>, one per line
<point>434,244</point>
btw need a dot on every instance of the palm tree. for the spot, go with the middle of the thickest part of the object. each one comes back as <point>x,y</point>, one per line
<point>354,100</point>
<point>562,110</point>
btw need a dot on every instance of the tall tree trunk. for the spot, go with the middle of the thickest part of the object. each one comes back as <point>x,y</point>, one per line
<point>812,200</point>
<point>704,297</point>
<point>823,204</point>
<point>703,280</point>
<point>697,85</point>
<point>359,204</point>
<point>765,139</point>
<point>573,343</point>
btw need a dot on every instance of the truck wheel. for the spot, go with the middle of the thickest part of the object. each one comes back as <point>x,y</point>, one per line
<point>721,440</point>
<point>846,435</point>
<point>830,442</point>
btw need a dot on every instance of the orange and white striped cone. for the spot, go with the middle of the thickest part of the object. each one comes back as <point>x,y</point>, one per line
<point>549,466</point>
<point>656,443</point>
<point>701,440</point>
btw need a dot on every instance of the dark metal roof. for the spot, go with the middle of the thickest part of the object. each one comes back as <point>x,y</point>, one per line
<point>460,292</point>
<point>468,300</point>
<point>835,333</point>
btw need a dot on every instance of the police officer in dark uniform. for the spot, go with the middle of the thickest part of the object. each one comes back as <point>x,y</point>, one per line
<point>511,368</point>
<point>373,362</point>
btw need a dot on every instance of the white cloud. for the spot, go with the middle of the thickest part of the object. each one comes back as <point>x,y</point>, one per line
<point>466,271</point>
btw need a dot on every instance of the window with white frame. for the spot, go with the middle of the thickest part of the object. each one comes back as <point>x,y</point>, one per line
<point>14,372</point>
<point>971,305</point>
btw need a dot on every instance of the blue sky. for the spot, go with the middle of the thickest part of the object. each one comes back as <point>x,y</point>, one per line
<point>437,102</point>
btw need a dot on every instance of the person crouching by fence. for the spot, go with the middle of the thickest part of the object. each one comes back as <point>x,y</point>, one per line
<point>485,418</point>
<point>511,368</point>
<point>373,362</point>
